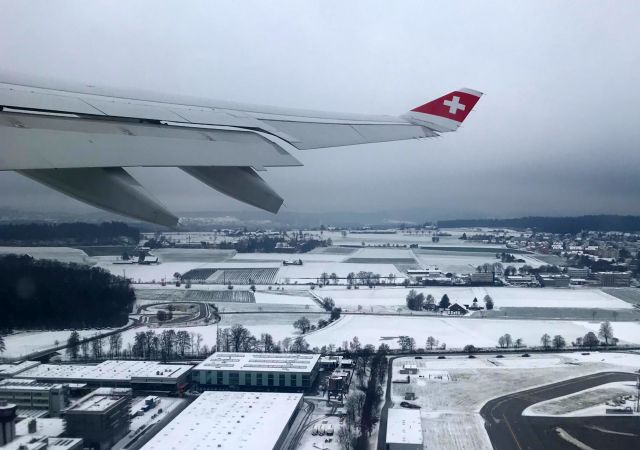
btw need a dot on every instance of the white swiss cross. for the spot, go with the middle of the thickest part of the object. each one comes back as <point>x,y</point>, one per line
<point>454,105</point>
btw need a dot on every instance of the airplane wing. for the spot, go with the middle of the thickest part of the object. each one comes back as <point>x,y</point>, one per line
<point>78,141</point>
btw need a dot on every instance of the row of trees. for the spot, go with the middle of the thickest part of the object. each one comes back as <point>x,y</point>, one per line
<point>408,344</point>
<point>304,325</point>
<point>362,407</point>
<point>93,348</point>
<point>239,339</point>
<point>418,302</point>
<point>47,294</point>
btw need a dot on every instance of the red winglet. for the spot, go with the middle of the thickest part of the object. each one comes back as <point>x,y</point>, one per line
<point>455,105</point>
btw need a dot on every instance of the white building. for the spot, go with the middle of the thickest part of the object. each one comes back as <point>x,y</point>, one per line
<point>138,375</point>
<point>258,370</point>
<point>404,429</point>
<point>30,394</point>
<point>232,421</point>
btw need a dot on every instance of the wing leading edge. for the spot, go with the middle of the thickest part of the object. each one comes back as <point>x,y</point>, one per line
<point>77,142</point>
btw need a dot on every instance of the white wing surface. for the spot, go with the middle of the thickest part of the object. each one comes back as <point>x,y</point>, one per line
<point>68,139</point>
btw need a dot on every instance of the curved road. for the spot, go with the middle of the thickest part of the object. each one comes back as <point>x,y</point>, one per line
<point>508,429</point>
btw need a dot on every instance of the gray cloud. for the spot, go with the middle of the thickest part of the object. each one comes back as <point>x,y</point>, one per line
<point>556,133</point>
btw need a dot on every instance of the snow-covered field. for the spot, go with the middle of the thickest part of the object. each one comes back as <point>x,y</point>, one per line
<point>26,342</point>
<point>589,402</point>
<point>280,326</point>
<point>503,297</point>
<point>457,332</point>
<point>279,257</point>
<point>466,262</point>
<point>63,254</point>
<point>407,238</point>
<point>283,299</point>
<point>155,273</point>
<point>385,253</point>
<point>310,272</point>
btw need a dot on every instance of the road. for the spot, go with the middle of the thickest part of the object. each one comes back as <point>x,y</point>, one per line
<point>384,414</point>
<point>508,429</point>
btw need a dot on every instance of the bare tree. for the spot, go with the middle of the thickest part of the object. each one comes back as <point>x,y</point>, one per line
<point>545,340</point>
<point>606,332</point>
<point>115,344</point>
<point>559,342</point>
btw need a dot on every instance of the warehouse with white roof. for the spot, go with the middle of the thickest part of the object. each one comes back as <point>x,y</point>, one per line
<point>268,371</point>
<point>138,375</point>
<point>404,429</point>
<point>231,421</point>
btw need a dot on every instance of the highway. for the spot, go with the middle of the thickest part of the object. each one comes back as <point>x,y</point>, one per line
<point>508,429</point>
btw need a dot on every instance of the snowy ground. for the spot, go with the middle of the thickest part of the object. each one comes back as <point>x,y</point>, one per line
<point>26,342</point>
<point>503,297</point>
<point>451,406</point>
<point>279,257</point>
<point>63,254</point>
<point>280,326</point>
<point>457,332</point>
<point>466,262</point>
<point>407,238</point>
<point>589,402</point>
<point>310,272</point>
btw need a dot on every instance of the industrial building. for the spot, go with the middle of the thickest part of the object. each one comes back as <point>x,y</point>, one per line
<point>42,434</point>
<point>38,442</point>
<point>230,420</point>
<point>613,279</point>
<point>12,369</point>
<point>404,429</point>
<point>101,418</point>
<point>268,371</point>
<point>553,280</point>
<point>31,394</point>
<point>482,278</point>
<point>149,376</point>
<point>7,422</point>
<point>578,272</point>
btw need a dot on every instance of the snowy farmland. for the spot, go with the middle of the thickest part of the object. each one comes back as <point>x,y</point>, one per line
<point>457,332</point>
<point>310,272</point>
<point>62,254</point>
<point>280,326</point>
<point>26,342</point>
<point>350,299</point>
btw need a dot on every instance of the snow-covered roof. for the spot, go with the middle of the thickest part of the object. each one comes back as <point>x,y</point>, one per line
<point>49,426</point>
<point>404,426</point>
<point>40,442</point>
<point>9,370</point>
<point>99,400</point>
<point>112,370</point>
<point>28,385</point>
<point>260,362</point>
<point>228,420</point>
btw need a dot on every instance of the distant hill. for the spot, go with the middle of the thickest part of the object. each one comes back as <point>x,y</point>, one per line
<point>553,224</point>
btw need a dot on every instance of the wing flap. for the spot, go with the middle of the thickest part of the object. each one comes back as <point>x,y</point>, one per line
<point>47,142</point>
<point>241,183</point>
<point>112,189</point>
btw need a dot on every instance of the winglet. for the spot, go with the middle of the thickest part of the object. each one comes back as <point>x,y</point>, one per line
<point>447,112</point>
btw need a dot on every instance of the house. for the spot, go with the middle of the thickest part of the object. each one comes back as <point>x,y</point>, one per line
<point>456,310</point>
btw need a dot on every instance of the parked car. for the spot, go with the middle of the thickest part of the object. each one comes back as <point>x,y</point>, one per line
<point>409,405</point>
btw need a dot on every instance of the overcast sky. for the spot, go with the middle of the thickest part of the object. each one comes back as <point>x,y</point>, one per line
<point>558,131</point>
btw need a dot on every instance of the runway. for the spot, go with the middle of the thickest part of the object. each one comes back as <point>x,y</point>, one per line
<point>508,429</point>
